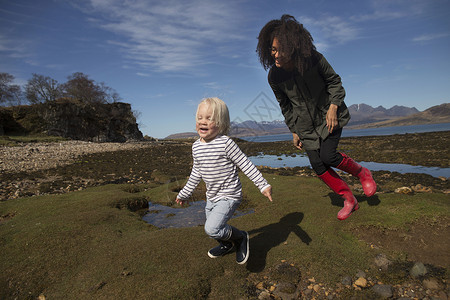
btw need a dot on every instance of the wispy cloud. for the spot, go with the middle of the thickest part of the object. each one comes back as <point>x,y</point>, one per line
<point>15,47</point>
<point>391,9</point>
<point>167,35</point>
<point>430,37</point>
<point>330,30</point>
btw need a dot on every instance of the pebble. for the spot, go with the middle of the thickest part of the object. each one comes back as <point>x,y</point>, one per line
<point>41,156</point>
<point>421,189</point>
<point>418,270</point>
<point>383,290</point>
<point>431,284</point>
<point>382,262</point>
<point>403,190</point>
<point>361,282</point>
<point>347,280</point>
<point>429,288</point>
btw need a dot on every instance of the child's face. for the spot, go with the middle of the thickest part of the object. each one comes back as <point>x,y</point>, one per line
<point>206,129</point>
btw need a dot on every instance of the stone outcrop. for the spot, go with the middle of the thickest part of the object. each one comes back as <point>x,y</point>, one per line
<point>96,122</point>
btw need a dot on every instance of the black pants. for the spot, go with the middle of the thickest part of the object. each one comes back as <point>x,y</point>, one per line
<point>326,156</point>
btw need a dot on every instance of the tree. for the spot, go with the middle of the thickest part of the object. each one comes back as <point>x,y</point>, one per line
<point>110,93</point>
<point>42,88</point>
<point>10,94</point>
<point>79,86</point>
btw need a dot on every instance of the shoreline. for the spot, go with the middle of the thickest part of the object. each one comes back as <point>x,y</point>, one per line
<point>37,156</point>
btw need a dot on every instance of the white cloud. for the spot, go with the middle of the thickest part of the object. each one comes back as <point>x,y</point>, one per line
<point>430,37</point>
<point>166,35</point>
<point>392,9</point>
<point>330,30</point>
<point>16,48</point>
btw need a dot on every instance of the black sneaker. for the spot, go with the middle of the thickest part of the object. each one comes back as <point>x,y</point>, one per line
<point>242,249</point>
<point>225,247</point>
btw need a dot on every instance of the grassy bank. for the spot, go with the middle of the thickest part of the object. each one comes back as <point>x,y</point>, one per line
<point>89,244</point>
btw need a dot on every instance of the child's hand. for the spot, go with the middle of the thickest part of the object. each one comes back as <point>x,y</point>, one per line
<point>181,202</point>
<point>268,193</point>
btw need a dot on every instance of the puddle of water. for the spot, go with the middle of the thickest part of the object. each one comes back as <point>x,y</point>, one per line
<point>169,217</point>
<point>275,161</point>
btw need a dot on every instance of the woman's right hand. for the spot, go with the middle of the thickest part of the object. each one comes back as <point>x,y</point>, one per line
<point>297,143</point>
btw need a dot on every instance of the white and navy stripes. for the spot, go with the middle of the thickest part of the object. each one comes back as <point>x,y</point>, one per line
<point>216,163</point>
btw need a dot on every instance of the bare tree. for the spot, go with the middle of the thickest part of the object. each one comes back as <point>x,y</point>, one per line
<point>42,88</point>
<point>84,89</point>
<point>10,94</point>
<point>111,94</point>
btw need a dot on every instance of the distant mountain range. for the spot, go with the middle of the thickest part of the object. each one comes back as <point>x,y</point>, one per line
<point>363,113</point>
<point>362,116</point>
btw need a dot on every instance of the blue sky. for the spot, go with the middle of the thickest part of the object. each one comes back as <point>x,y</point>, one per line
<point>164,56</point>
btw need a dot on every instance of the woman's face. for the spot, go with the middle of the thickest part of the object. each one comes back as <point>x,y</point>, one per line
<point>281,60</point>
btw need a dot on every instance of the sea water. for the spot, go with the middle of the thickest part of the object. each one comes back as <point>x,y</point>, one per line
<point>360,132</point>
<point>277,161</point>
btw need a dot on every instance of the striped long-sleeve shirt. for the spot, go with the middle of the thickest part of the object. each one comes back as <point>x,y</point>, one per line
<point>216,163</point>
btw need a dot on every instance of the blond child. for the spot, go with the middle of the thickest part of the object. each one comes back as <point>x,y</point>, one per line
<point>216,159</point>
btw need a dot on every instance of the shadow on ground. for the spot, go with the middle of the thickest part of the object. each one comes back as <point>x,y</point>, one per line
<point>271,236</point>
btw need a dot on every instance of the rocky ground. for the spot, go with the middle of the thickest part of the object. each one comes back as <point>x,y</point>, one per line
<point>53,168</point>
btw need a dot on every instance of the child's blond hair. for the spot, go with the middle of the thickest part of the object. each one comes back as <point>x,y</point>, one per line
<point>220,114</point>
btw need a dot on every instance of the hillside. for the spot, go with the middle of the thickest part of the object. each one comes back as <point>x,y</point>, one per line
<point>433,115</point>
<point>97,122</point>
<point>363,113</point>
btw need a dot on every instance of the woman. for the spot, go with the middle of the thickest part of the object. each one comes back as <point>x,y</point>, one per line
<point>311,98</point>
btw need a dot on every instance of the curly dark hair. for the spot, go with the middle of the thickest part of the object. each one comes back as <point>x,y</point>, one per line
<point>294,40</point>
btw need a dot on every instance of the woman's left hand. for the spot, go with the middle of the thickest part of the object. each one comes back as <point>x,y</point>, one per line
<point>332,121</point>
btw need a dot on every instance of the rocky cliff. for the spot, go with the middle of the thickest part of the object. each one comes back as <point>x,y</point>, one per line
<point>112,122</point>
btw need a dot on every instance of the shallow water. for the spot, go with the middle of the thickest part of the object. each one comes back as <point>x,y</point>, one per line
<point>361,132</point>
<point>275,161</point>
<point>169,217</point>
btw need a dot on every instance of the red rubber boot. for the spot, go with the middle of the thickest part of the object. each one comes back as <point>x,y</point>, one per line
<point>365,177</point>
<point>335,182</point>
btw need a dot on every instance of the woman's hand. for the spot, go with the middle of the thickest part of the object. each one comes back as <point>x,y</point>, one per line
<point>332,121</point>
<point>296,140</point>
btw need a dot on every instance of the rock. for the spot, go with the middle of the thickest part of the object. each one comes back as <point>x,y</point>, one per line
<point>361,282</point>
<point>442,295</point>
<point>260,286</point>
<point>286,272</point>
<point>286,287</point>
<point>418,270</point>
<point>361,274</point>
<point>285,290</point>
<point>264,295</point>
<point>347,280</point>
<point>382,262</point>
<point>403,190</point>
<point>421,189</point>
<point>431,284</point>
<point>97,122</point>
<point>383,290</point>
